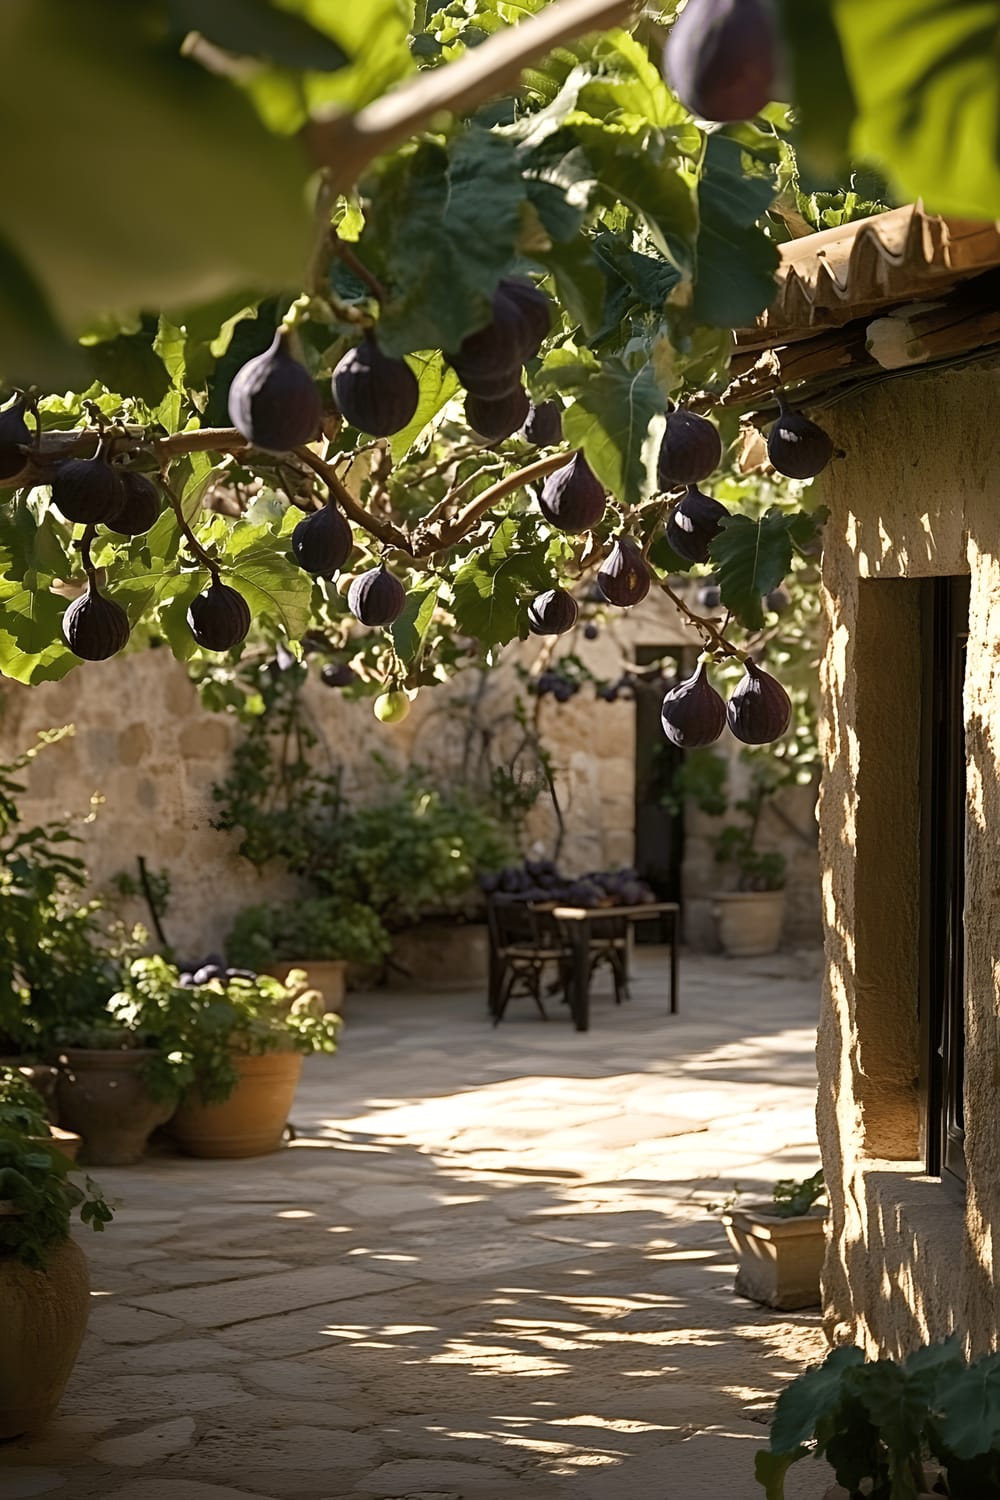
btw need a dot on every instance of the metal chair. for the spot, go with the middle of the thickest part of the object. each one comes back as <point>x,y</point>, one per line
<point>609,944</point>
<point>523,943</point>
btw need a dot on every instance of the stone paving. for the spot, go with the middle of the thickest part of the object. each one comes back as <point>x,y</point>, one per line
<point>486,1267</point>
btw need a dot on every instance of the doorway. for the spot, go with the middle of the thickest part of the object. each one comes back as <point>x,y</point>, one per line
<point>659,825</point>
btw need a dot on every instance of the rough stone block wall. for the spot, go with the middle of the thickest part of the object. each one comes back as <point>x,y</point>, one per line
<point>915,496</point>
<point>146,746</point>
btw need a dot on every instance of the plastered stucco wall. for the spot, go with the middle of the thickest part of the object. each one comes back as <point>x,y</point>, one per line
<point>916,494</point>
<point>144,743</point>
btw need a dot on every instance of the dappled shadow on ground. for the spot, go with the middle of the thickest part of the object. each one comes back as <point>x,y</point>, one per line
<point>483,1269</point>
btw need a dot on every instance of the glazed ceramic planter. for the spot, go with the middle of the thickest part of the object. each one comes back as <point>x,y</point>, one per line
<point>43,1323</point>
<point>779,1260</point>
<point>103,1098</point>
<point>251,1122</point>
<point>750,922</point>
<point>328,975</point>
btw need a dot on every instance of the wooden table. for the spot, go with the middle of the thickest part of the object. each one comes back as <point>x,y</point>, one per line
<point>576,922</point>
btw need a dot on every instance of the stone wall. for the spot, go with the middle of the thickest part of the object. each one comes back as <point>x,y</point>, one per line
<point>915,496</point>
<point>144,744</point>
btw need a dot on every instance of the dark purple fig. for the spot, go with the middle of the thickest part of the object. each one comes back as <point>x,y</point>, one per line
<point>709,596</point>
<point>623,576</point>
<point>496,420</point>
<point>321,544</point>
<point>140,504</point>
<point>722,58</point>
<point>494,387</point>
<point>691,448</point>
<point>13,435</point>
<point>87,490</point>
<point>573,497</point>
<point>759,709</point>
<point>338,674</point>
<point>543,425</point>
<point>591,631</point>
<point>273,400</point>
<point>552,613</point>
<point>375,597</point>
<point>219,618</point>
<point>535,309</point>
<point>778,600</point>
<point>494,352</point>
<point>376,394</point>
<point>693,714</point>
<point>694,523</point>
<point>95,627</point>
<point>797,447</point>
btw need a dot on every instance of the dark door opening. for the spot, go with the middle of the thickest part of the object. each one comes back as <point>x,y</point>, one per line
<point>659,827</point>
<point>943,824</point>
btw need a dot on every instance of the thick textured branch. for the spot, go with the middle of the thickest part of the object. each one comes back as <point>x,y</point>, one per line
<point>385,531</point>
<point>347,143</point>
<point>437,538</point>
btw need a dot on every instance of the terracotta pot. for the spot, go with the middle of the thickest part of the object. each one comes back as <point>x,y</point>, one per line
<point>749,921</point>
<point>102,1097</point>
<point>779,1260</point>
<point>328,975</point>
<point>65,1141</point>
<point>43,1323</point>
<point>251,1122</point>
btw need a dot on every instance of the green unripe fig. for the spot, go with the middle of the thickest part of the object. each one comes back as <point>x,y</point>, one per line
<point>392,708</point>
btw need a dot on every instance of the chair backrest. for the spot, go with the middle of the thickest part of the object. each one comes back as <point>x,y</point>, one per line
<point>513,924</point>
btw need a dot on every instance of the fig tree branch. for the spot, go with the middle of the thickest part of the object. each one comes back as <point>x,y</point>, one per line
<point>346,143</point>
<point>385,531</point>
<point>437,538</point>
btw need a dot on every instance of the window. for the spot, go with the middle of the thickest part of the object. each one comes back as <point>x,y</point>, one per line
<point>942,938</point>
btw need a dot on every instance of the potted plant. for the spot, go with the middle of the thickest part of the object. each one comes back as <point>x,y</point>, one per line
<point>780,1245</point>
<point>109,1091</point>
<point>319,936</point>
<point>926,1428</point>
<point>231,1049</point>
<point>44,1285</point>
<point>23,1108</point>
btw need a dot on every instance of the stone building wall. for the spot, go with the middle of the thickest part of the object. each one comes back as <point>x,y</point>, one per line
<point>915,496</point>
<point>143,742</point>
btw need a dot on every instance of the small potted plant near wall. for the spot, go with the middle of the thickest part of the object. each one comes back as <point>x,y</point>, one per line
<point>780,1245</point>
<point>44,1285</point>
<point>231,1049</point>
<point>750,917</point>
<point>320,936</point>
<point>107,1090</point>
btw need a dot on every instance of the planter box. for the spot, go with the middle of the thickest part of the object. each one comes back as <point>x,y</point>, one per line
<point>750,922</point>
<point>441,956</point>
<point>780,1260</point>
<point>328,975</point>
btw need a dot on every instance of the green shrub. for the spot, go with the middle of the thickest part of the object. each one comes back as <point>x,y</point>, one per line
<point>37,1182</point>
<point>320,928</point>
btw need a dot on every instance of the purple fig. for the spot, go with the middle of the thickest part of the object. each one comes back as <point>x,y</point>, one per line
<point>499,419</point>
<point>376,394</point>
<point>273,400</point>
<point>543,425</point>
<point>694,523</point>
<point>759,709</point>
<point>691,448</point>
<point>623,577</point>
<point>797,447</point>
<point>722,58</point>
<point>219,618</point>
<point>693,714</point>
<point>376,598</point>
<point>573,497</point>
<point>322,542</point>
<point>95,627</point>
<point>552,613</point>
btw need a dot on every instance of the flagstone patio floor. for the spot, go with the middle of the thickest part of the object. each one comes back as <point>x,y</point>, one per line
<point>485,1268</point>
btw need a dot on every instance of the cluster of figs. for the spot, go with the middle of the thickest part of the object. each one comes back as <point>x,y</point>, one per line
<point>96,492</point>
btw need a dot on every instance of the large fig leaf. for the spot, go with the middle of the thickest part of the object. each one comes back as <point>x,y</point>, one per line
<point>736,261</point>
<point>810,1400</point>
<point>753,556</point>
<point>491,590</point>
<point>610,421</point>
<point>155,160</point>
<point>924,79</point>
<point>442,228</point>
